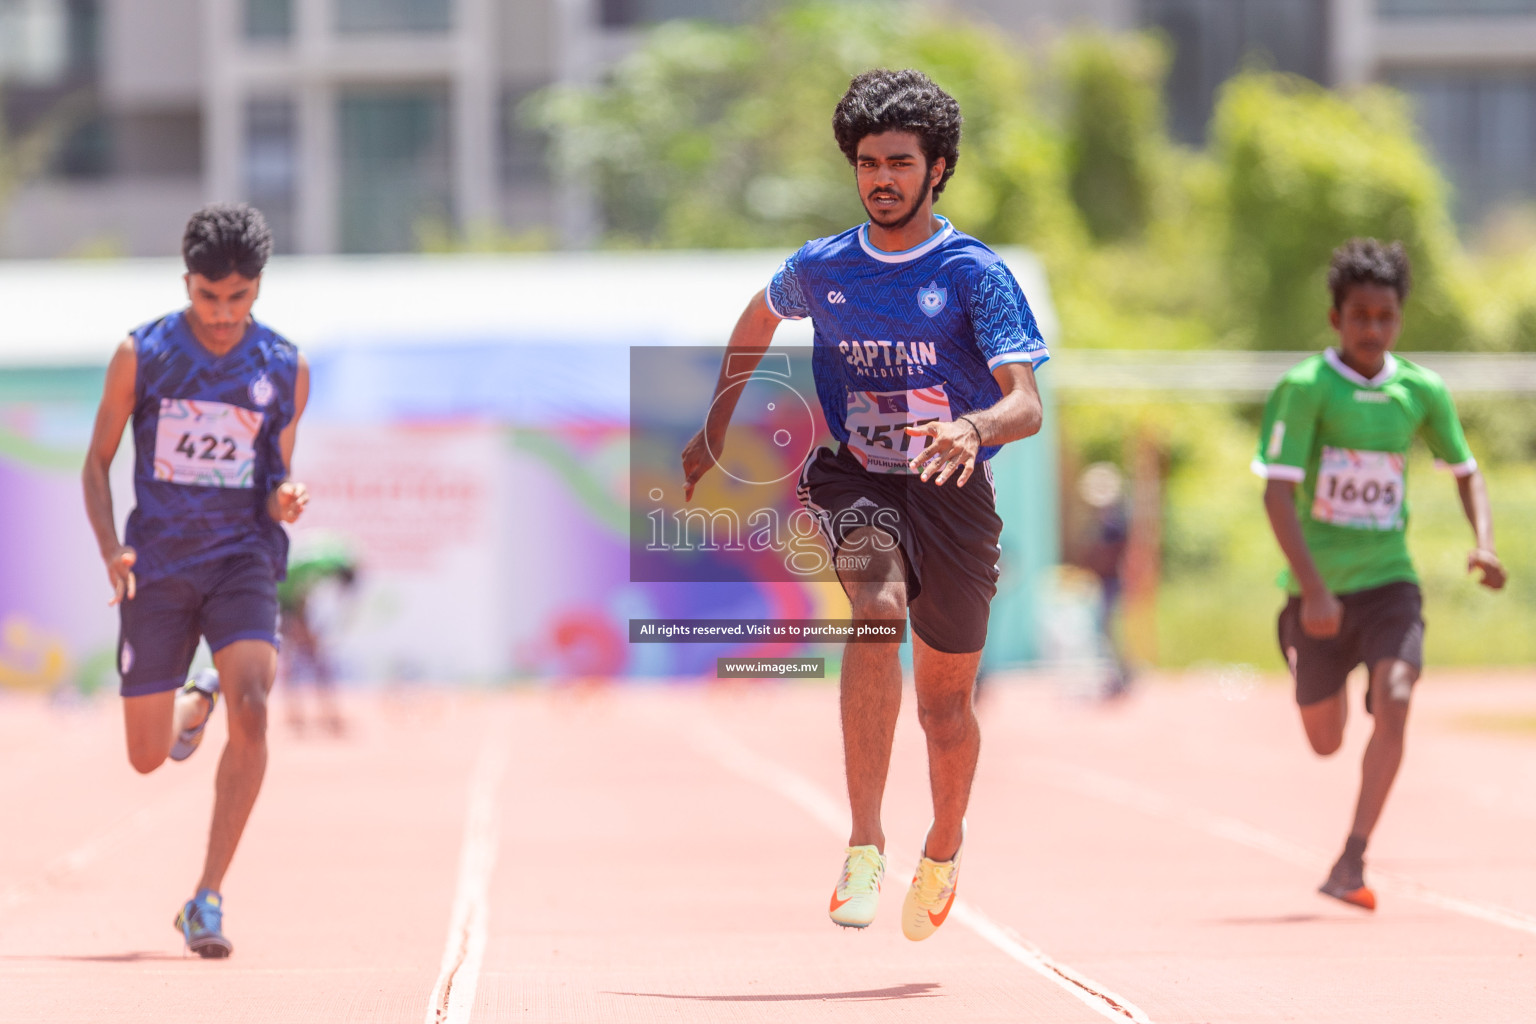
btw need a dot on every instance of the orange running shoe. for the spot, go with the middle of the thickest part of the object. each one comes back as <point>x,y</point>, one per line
<point>1346,883</point>
<point>857,895</point>
<point>931,894</point>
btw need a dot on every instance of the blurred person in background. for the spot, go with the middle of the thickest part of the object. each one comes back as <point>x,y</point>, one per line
<point>951,381</point>
<point>1334,449</point>
<point>306,655</point>
<point>215,399</point>
<point>1102,489</point>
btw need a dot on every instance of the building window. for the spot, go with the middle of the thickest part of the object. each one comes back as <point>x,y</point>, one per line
<point>1481,127</point>
<point>272,165</point>
<point>395,167</point>
<point>362,16</point>
<point>1456,8</point>
<point>630,13</point>
<point>268,20</point>
<point>34,41</point>
<point>524,149</point>
<point>1211,39</point>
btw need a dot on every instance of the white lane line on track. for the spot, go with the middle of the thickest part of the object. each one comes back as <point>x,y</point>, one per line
<point>730,753</point>
<point>1093,783</point>
<point>453,997</point>
<point>89,852</point>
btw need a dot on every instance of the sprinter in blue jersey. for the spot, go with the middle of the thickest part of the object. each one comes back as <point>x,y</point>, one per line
<point>924,359</point>
<point>215,400</point>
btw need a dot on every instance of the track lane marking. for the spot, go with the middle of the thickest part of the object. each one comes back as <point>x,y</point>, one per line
<point>453,995</point>
<point>1112,789</point>
<point>80,857</point>
<point>735,756</point>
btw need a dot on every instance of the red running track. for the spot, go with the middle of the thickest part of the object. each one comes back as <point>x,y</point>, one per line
<point>651,853</point>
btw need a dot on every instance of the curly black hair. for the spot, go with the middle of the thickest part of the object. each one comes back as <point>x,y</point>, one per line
<point>900,101</point>
<point>1367,261</point>
<point>226,238</point>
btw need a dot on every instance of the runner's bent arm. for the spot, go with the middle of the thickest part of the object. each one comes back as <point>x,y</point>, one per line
<point>286,502</point>
<point>1015,416</point>
<point>111,418</point>
<point>1474,501</point>
<point>749,340</point>
<point>1321,612</point>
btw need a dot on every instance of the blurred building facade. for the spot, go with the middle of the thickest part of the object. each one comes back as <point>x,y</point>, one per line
<point>355,124</point>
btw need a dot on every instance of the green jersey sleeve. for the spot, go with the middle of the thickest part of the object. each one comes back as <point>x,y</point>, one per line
<point>1442,431</point>
<point>1290,427</point>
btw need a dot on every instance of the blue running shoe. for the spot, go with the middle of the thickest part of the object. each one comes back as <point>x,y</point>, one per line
<point>200,923</point>
<point>206,685</point>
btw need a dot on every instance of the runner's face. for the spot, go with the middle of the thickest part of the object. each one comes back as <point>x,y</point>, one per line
<point>1368,323</point>
<point>895,181</point>
<point>221,308</point>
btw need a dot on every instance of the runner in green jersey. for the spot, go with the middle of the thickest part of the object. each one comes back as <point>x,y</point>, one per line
<point>1334,448</point>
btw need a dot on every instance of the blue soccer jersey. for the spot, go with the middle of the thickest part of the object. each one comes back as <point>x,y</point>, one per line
<point>907,337</point>
<point>206,446</point>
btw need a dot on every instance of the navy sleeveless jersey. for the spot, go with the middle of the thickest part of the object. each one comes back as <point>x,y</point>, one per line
<point>206,452</point>
<point>905,337</point>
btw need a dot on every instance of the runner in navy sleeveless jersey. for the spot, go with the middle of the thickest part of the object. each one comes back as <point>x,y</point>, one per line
<point>215,399</point>
<point>924,360</point>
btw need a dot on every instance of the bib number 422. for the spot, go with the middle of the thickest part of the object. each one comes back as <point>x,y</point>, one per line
<point>206,444</point>
<point>214,449</point>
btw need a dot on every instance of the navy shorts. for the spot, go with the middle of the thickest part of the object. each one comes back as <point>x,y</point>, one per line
<point>224,600</point>
<point>950,539</point>
<point>1379,624</point>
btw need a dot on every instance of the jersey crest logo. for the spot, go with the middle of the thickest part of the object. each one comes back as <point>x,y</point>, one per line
<point>262,391</point>
<point>931,299</point>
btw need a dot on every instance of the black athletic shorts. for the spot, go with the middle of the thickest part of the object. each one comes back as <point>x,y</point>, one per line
<point>1380,623</point>
<point>225,600</point>
<point>948,537</point>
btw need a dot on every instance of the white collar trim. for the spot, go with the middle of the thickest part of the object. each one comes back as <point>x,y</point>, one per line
<point>1388,369</point>
<point>906,255</point>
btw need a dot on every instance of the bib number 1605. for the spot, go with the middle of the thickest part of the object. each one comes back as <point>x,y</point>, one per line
<point>1369,492</point>
<point>1359,489</point>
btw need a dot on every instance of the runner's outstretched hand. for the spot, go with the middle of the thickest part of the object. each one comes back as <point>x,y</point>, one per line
<point>698,457</point>
<point>120,574</point>
<point>954,447</point>
<point>1321,615</point>
<point>1493,569</point>
<point>288,501</point>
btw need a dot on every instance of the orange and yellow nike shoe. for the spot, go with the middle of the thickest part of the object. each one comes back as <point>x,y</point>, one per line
<point>857,895</point>
<point>930,897</point>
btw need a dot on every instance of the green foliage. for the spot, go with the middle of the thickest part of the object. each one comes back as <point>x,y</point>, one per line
<point>712,136</point>
<point>1303,169</point>
<point>720,136</point>
<point>1114,129</point>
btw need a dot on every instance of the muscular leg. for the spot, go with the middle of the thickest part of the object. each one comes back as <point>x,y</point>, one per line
<point>948,717</point>
<point>1391,687</point>
<point>153,721</point>
<point>246,670</point>
<point>1324,722</point>
<point>870,691</point>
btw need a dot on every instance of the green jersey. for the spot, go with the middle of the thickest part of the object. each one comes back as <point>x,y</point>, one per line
<point>304,574</point>
<point>1344,438</point>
